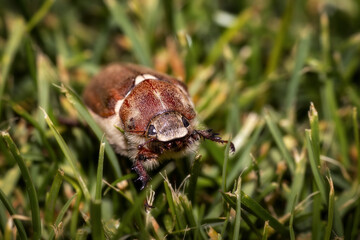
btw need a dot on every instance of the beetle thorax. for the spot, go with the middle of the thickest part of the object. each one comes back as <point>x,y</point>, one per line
<point>167,126</point>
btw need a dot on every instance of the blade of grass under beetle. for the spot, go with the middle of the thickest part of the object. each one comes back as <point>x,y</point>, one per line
<point>52,197</point>
<point>99,174</point>
<point>138,204</point>
<point>252,206</point>
<point>10,49</point>
<point>140,48</point>
<point>11,210</point>
<point>275,132</point>
<point>314,167</point>
<point>194,174</point>
<point>97,230</point>
<point>82,111</point>
<point>68,156</point>
<point>171,202</point>
<point>61,216</point>
<point>34,203</point>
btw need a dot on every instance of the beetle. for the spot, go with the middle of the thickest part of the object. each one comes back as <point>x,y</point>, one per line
<point>146,116</point>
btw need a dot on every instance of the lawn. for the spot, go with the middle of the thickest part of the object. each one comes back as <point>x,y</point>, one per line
<point>281,79</point>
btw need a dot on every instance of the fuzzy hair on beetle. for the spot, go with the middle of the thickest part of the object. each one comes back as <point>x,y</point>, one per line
<point>146,116</point>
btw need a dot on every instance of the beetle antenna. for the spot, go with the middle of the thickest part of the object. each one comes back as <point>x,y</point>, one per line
<point>146,142</point>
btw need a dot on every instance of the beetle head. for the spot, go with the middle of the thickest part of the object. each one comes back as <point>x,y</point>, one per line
<point>168,126</point>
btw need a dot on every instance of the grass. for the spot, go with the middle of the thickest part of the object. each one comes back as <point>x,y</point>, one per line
<point>280,79</point>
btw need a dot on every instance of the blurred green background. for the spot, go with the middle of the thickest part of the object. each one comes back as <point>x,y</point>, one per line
<point>252,68</point>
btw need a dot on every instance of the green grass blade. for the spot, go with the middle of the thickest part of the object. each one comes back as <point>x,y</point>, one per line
<point>34,203</point>
<point>357,141</point>
<point>11,210</point>
<point>242,18</point>
<point>225,166</point>
<point>317,226</point>
<point>252,206</point>
<point>171,202</point>
<point>40,14</point>
<point>279,141</point>
<point>52,197</point>
<point>244,158</point>
<point>138,204</point>
<point>194,174</point>
<point>61,216</point>
<point>46,75</point>
<point>238,209</point>
<point>97,230</point>
<point>31,59</point>
<point>276,51</point>
<point>266,231</point>
<point>314,167</point>
<point>140,48</point>
<point>75,214</point>
<point>338,123</point>
<point>10,50</point>
<point>24,114</point>
<point>68,156</point>
<point>330,220</point>
<point>315,134</point>
<point>302,53</point>
<point>83,112</point>
<point>355,230</point>
<point>291,224</point>
<point>297,183</point>
<point>99,174</point>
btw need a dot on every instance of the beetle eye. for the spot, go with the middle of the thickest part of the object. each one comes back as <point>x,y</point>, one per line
<point>152,130</point>
<point>185,122</point>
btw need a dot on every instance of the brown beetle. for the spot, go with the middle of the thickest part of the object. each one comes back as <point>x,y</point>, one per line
<point>153,110</point>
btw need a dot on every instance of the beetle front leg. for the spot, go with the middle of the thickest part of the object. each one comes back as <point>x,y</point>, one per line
<point>209,134</point>
<point>142,156</point>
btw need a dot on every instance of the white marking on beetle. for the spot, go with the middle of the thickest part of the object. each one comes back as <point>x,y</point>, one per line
<point>113,135</point>
<point>149,76</point>
<point>158,96</point>
<point>143,77</point>
<point>118,106</point>
<point>139,79</point>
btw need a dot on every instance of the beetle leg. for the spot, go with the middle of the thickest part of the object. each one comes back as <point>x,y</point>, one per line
<point>141,172</point>
<point>143,156</point>
<point>209,134</point>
